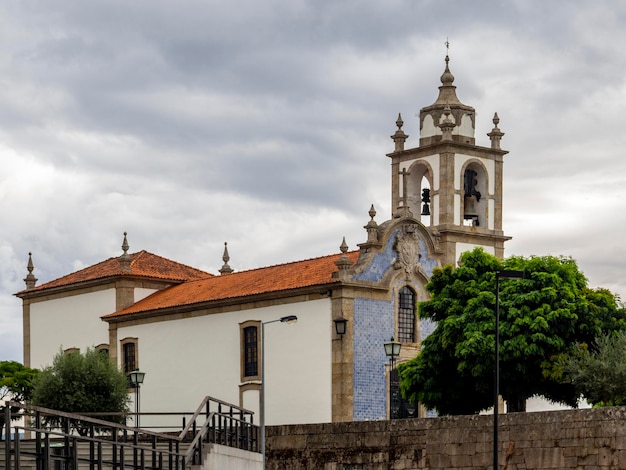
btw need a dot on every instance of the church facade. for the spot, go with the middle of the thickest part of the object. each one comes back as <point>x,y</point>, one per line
<point>195,333</point>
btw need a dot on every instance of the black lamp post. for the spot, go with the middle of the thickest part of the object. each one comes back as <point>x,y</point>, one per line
<point>287,319</point>
<point>136,379</point>
<point>392,350</point>
<point>505,274</point>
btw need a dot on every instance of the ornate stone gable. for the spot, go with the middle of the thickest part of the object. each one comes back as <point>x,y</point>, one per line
<point>408,248</point>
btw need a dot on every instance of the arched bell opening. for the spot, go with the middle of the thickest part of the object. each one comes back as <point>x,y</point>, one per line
<point>419,192</point>
<point>475,195</point>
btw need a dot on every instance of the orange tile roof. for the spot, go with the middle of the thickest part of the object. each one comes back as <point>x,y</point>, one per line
<point>311,272</point>
<point>143,264</point>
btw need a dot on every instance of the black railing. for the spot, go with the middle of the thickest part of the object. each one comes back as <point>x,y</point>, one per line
<point>77,441</point>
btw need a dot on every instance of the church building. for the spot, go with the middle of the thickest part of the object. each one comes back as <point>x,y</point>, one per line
<point>195,333</point>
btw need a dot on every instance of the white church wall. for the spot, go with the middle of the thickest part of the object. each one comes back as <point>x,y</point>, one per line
<point>69,322</point>
<point>463,247</point>
<point>428,127</point>
<point>457,213</point>
<point>189,358</point>
<point>141,293</point>
<point>465,127</point>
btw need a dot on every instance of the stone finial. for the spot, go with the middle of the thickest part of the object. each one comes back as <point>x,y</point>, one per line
<point>372,227</point>
<point>344,246</point>
<point>125,259</point>
<point>30,278</point>
<point>226,269</point>
<point>496,134</point>
<point>399,137</point>
<point>343,263</point>
<point>447,91</point>
<point>447,125</point>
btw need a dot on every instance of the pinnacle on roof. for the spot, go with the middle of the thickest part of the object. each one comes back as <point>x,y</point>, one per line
<point>30,278</point>
<point>447,126</point>
<point>125,259</point>
<point>460,119</point>
<point>399,137</point>
<point>496,134</point>
<point>226,269</point>
<point>372,226</point>
<point>447,91</point>
<point>343,263</point>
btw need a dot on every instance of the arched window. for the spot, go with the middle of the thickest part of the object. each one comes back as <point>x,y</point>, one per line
<point>406,315</point>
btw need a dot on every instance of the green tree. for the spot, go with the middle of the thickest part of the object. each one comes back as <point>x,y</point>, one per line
<point>16,384</point>
<point>82,383</point>
<point>598,371</point>
<point>541,317</point>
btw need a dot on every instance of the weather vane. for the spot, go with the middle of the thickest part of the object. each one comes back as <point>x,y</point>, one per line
<point>447,43</point>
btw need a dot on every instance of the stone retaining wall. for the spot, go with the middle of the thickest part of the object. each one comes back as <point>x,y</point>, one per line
<point>574,439</point>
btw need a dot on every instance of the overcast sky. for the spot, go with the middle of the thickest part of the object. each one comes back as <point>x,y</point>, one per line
<point>189,123</point>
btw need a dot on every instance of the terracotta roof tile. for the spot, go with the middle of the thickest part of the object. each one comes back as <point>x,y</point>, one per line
<point>143,264</point>
<point>311,272</point>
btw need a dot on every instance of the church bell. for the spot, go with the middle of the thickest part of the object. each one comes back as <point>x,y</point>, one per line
<point>469,210</point>
<point>426,201</point>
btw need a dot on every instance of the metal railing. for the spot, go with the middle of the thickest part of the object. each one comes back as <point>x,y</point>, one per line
<point>66,441</point>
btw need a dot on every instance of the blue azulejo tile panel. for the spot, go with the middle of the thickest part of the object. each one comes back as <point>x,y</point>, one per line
<point>384,260</point>
<point>428,264</point>
<point>381,262</point>
<point>427,326</point>
<point>373,325</point>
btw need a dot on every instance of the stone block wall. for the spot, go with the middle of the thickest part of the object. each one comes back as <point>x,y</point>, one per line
<point>574,439</point>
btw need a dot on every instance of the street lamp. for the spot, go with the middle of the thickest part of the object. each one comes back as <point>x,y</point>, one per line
<point>392,350</point>
<point>289,319</point>
<point>504,274</point>
<point>136,379</point>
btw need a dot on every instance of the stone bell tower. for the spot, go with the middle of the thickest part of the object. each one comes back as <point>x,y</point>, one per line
<point>449,183</point>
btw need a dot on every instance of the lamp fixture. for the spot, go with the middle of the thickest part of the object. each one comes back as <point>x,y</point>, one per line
<point>136,377</point>
<point>392,349</point>
<point>340,326</point>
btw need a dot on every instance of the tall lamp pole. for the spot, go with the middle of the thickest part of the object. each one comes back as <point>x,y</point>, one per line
<point>392,350</point>
<point>288,319</point>
<point>136,379</point>
<point>504,274</point>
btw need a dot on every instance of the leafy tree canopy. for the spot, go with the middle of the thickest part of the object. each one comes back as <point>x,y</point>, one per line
<point>541,317</point>
<point>16,384</point>
<point>598,371</point>
<point>82,383</point>
<point>16,381</point>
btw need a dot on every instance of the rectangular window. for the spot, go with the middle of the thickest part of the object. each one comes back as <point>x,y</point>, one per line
<point>251,351</point>
<point>130,357</point>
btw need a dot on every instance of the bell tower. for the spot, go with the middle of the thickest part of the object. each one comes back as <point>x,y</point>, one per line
<point>449,183</point>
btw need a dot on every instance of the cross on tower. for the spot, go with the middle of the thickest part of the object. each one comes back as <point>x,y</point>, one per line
<point>404,174</point>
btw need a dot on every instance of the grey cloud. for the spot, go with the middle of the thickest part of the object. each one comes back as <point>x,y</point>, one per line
<point>266,124</point>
